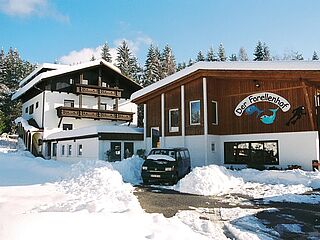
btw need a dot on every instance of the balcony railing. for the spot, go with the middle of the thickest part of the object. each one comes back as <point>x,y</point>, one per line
<point>94,114</point>
<point>98,91</point>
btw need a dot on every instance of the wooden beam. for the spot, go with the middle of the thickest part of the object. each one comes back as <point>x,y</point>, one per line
<point>307,99</point>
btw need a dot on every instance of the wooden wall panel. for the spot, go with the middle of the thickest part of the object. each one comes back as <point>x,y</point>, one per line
<point>230,89</point>
<point>193,91</point>
<point>172,100</point>
<point>228,93</point>
<point>153,114</point>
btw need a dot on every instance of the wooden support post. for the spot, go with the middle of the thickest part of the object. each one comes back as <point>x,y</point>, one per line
<point>99,84</point>
<point>309,107</point>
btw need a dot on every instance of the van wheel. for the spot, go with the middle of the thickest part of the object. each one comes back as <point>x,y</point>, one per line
<point>175,179</point>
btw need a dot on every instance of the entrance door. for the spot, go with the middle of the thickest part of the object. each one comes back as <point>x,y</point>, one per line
<point>115,151</point>
<point>128,149</point>
<point>155,137</point>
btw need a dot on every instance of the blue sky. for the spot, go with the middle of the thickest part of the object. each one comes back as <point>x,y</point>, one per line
<point>72,30</point>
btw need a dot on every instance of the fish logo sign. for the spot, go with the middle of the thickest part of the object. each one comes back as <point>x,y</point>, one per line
<point>269,119</point>
<point>249,107</point>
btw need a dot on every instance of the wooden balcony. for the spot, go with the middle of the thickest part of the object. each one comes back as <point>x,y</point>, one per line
<point>98,91</point>
<point>94,114</point>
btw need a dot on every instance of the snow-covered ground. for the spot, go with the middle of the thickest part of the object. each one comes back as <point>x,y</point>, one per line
<point>41,199</point>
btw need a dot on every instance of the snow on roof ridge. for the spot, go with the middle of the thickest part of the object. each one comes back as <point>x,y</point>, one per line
<point>93,130</point>
<point>38,68</point>
<point>62,70</point>
<point>236,65</point>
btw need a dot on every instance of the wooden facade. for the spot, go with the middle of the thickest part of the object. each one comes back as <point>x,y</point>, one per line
<point>228,88</point>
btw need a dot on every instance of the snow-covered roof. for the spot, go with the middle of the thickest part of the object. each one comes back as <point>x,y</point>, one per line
<point>26,125</point>
<point>62,70</point>
<point>88,131</point>
<point>39,68</point>
<point>236,66</point>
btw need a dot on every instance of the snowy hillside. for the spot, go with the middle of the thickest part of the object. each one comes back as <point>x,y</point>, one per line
<point>41,199</point>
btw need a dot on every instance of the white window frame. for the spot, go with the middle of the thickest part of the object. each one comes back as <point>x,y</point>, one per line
<point>216,123</point>
<point>173,129</point>
<point>190,103</point>
<point>78,153</point>
<point>69,146</point>
<point>56,152</point>
<point>63,150</point>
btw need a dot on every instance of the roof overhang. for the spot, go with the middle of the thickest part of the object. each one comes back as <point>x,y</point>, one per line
<point>298,69</point>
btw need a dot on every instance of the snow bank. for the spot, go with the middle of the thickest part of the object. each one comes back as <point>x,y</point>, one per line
<point>130,169</point>
<point>217,180</point>
<point>210,180</point>
<point>288,177</point>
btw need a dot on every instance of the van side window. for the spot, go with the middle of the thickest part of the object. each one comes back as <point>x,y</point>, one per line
<point>182,154</point>
<point>186,152</point>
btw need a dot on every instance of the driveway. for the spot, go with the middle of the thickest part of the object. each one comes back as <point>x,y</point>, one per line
<point>168,202</point>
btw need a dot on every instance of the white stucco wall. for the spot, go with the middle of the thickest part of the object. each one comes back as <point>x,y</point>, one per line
<point>295,148</point>
<point>37,112</point>
<point>90,149</point>
<point>298,148</point>
<point>54,100</point>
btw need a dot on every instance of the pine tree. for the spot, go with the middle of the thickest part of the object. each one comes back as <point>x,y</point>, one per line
<point>315,56</point>
<point>13,70</point>
<point>258,52</point>
<point>105,53</point>
<point>243,54</point>
<point>211,55</point>
<point>168,62</point>
<point>297,56</point>
<point>221,53</point>
<point>92,58</point>
<point>152,67</point>
<point>200,57</point>
<point>233,57</point>
<point>266,53</point>
<point>126,62</point>
<point>190,63</point>
<point>181,66</point>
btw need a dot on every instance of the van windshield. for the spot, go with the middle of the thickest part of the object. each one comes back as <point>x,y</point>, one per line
<point>170,153</point>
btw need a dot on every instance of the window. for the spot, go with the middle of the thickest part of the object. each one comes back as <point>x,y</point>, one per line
<point>174,120</point>
<point>67,126</point>
<point>195,112</point>
<point>63,150</point>
<point>214,108</point>
<point>213,147</point>
<point>80,150</point>
<point>71,81</point>
<point>54,149</point>
<point>26,110</point>
<point>37,105</point>
<point>186,153</point>
<point>258,152</point>
<point>103,106</point>
<point>85,81</point>
<point>68,103</point>
<point>69,150</point>
<point>31,109</point>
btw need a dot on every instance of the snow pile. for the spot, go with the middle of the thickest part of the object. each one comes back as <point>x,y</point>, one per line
<point>288,177</point>
<point>97,190</point>
<point>130,169</point>
<point>217,180</point>
<point>209,180</point>
<point>22,168</point>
